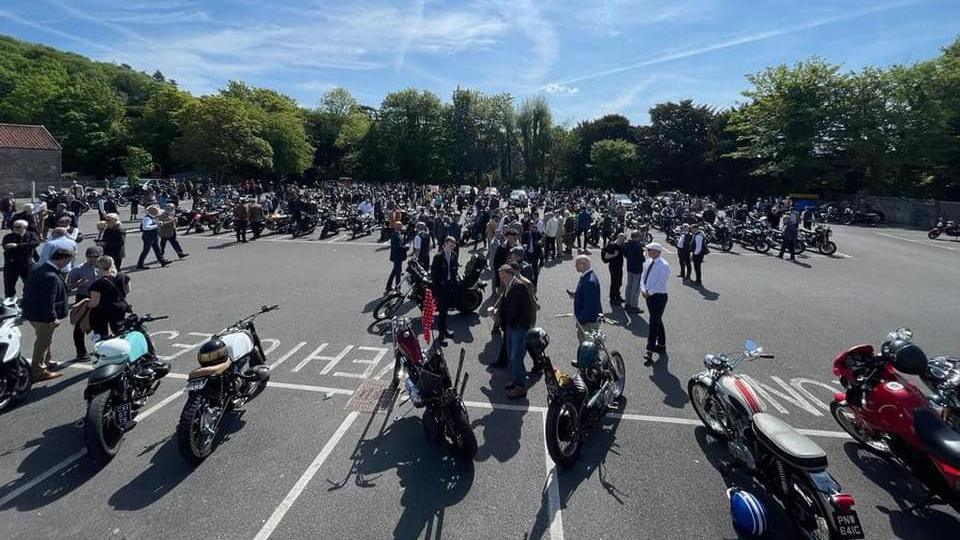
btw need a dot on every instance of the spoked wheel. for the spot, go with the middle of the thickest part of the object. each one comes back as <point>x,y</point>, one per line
<point>726,245</point>
<point>933,234</point>
<point>388,306</point>
<point>564,440</point>
<point>616,361</point>
<point>101,433</point>
<point>801,246</point>
<point>708,408</point>
<point>15,386</point>
<point>762,246</point>
<point>197,429</point>
<point>848,421</point>
<point>460,435</point>
<point>827,247</point>
<point>471,301</point>
<point>808,516</point>
<point>647,238</point>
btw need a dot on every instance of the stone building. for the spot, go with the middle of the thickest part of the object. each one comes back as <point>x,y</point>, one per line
<point>27,154</point>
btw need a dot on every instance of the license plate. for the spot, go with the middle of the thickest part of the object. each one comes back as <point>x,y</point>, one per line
<point>848,525</point>
<point>198,384</point>
<point>123,414</point>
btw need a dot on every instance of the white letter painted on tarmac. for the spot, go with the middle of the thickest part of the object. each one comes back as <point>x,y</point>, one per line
<point>274,343</point>
<point>790,396</point>
<point>171,334</point>
<point>334,360</point>
<point>800,381</point>
<point>371,364</point>
<point>186,346</point>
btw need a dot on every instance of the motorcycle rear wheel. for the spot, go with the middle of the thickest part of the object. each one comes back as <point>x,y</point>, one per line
<point>564,440</point>
<point>616,359</point>
<point>761,246</point>
<point>461,439</point>
<point>471,301</point>
<point>100,433</point>
<point>388,306</point>
<point>699,394</point>
<point>846,419</point>
<point>933,234</point>
<point>194,445</point>
<point>828,247</point>
<point>727,245</point>
<point>16,385</point>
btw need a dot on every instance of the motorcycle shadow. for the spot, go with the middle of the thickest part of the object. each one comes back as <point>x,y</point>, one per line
<point>38,393</point>
<point>49,448</point>
<point>166,471</point>
<point>502,431</point>
<point>928,522</point>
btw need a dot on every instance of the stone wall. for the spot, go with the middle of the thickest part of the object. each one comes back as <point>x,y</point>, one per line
<point>914,212</point>
<point>19,167</point>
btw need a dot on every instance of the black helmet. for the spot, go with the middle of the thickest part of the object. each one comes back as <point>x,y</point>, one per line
<point>905,356</point>
<point>212,352</point>
<point>537,340</point>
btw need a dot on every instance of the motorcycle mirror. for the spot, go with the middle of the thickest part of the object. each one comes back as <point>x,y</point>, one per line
<point>905,333</point>
<point>750,346</point>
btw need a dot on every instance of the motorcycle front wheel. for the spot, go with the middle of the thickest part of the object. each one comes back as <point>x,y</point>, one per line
<point>195,438</point>
<point>471,301</point>
<point>727,245</point>
<point>761,246</point>
<point>16,384</point>
<point>828,247</point>
<point>647,239</point>
<point>704,404</point>
<point>616,359</point>
<point>933,234</point>
<point>564,441</point>
<point>848,421</point>
<point>388,306</point>
<point>460,434</point>
<point>101,433</point>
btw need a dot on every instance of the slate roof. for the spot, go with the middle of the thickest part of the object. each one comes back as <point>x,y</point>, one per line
<point>28,137</point>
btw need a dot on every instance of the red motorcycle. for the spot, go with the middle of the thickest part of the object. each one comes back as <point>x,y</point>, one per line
<point>889,416</point>
<point>204,218</point>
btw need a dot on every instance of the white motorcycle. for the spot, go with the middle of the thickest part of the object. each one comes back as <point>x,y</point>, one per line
<point>15,379</point>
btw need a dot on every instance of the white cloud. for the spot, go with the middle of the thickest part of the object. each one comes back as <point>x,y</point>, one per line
<point>555,88</point>
<point>620,102</point>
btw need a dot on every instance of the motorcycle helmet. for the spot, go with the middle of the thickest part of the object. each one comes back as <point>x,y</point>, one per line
<point>905,356</point>
<point>587,354</point>
<point>212,352</point>
<point>536,340</point>
<point>747,512</point>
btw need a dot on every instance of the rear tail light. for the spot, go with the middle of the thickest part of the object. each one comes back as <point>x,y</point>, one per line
<point>842,502</point>
<point>839,396</point>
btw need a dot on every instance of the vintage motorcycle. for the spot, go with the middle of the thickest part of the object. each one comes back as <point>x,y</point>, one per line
<point>203,218</point>
<point>949,228</point>
<point>15,379</point>
<point>755,237</point>
<point>819,239</point>
<point>469,298</point>
<point>866,216</point>
<point>232,372</point>
<point>889,416</point>
<point>362,225</point>
<point>576,404</point>
<point>426,379</point>
<point>791,467</point>
<point>128,374</point>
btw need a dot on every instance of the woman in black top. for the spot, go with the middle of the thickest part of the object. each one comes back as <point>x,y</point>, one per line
<point>113,240</point>
<point>108,298</point>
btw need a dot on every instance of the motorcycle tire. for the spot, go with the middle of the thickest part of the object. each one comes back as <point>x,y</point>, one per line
<point>621,371</point>
<point>563,420</point>
<point>827,248</point>
<point>216,228</point>
<point>17,385</point>
<point>847,220</point>
<point>647,239</point>
<point>727,245</point>
<point>933,234</point>
<point>471,301</point>
<point>462,439</point>
<point>801,246</point>
<point>875,446</point>
<point>431,428</point>
<point>761,246</point>
<point>100,433</point>
<point>191,447</point>
<point>819,528</point>
<point>121,202</point>
<point>713,424</point>
<point>257,360</point>
<point>388,307</point>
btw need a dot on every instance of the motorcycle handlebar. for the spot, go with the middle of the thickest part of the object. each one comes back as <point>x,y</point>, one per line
<point>766,355</point>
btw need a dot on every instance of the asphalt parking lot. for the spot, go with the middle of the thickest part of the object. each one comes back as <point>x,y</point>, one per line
<point>296,464</point>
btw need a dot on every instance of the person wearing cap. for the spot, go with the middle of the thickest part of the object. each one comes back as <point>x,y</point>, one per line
<point>421,245</point>
<point>517,314</point>
<point>697,243</point>
<point>149,227</point>
<point>44,306</point>
<point>79,280</point>
<point>653,288</point>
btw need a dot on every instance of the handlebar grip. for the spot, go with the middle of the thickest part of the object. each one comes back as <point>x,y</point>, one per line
<point>766,355</point>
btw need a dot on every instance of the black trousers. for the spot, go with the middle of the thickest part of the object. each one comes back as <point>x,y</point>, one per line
<point>396,273</point>
<point>792,246</point>
<point>173,242</point>
<point>684,256</point>
<point>151,240</point>
<point>11,273</point>
<point>616,280</point>
<point>445,299</point>
<point>697,261</point>
<point>550,248</point>
<point>240,226</point>
<point>656,335</point>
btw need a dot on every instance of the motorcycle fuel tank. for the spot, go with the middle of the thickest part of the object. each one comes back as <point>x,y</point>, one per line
<point>409,346</point>
<point>889,405</point>
<point>239,344</point>
<point>739,391</point>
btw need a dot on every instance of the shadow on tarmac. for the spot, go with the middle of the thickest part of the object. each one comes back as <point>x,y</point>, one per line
<point>37,393</point>
<point>502,431</point>
<point>674,394</point>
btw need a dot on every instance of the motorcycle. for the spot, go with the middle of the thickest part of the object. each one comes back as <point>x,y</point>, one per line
<point>362,225</point>
<point>470,291</point>
<point>128,374</point>
<point>791,467</point>
<point>720,234</point>
<point>205,218</point>
<point>232,372</point>
<point>426,379</point>
<point>950,228</point>
<point>576,404</point>
<point>755,237</point>
<point>849,216</point>
<point>15,378</point>
<point>887,415</point>
<point>819,238</point>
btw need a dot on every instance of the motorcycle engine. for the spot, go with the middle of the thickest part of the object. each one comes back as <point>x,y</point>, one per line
<point>742,454</point>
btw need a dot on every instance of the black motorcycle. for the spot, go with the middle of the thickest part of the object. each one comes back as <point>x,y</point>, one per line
<point>116,390</point>
<point>232,372</point>
<point>429,386</point>
<point>819,239</point>
<point>870,217</point>
<point>949,228</point>
<point>719,234</point>
<point>756,238</point>
<point>469,292</point>
<point>362,225</point>
<point>576,404</point>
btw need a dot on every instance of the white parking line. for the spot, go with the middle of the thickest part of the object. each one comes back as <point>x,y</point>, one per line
<point>305,479</point>
<point>284,358</point>
<point>948,248</point>
<point>336,239</point>
<point>76,455</point>
<point>316,242</point>
<point>553,489</point>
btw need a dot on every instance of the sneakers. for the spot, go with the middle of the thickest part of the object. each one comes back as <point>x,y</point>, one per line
<point>648,358</point>
<point>183,255</point>
<point>164,262</point>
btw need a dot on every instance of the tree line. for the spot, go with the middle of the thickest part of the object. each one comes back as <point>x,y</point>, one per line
<point>810,127</point>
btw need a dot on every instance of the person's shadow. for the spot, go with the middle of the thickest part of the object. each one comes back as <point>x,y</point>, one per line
<point>706,293</point>
<point>674,394</point>
<point>502,430</point>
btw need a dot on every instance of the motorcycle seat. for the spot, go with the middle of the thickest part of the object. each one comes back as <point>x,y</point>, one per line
<point>209,371</point>
<point>789,445</point>
<point>937,437</point>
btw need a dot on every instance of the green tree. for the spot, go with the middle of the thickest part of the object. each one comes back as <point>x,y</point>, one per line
<point>408,137</point>
<point>676,143</point>
<point>157,128</point>
<point>86,116</point>
<point>534,123</point>
<point>611,126</point>
<point>614,162</point>
<point>136,162</point>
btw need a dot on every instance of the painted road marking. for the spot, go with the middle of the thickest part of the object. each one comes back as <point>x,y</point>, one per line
<point>284,358</point>
<point>78,454</point>
<point>948,248</point>
<point>336,238</point>
<point>305,479</point>
<point>316,242</point>
<point>553,489</point>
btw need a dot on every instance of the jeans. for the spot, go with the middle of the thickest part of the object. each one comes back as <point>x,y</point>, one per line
<point>173,242</point>
<point>396,273</point>
<point>516,349</point>
<point>151,240</point>
<point>633,289</point>
<point>656,336</point>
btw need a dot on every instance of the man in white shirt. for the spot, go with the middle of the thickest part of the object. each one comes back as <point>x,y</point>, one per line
<point>551,230</point>
<point>59,239</point>
<point>653,288</point>
<point>150,229</point>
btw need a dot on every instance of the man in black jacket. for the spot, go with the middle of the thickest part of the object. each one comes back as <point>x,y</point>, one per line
<point>517,316</point>
<point>18,251</point>
<point>444,275</point>
<point>398,252</point>
<point>612,254</point>
<point>45,305</point>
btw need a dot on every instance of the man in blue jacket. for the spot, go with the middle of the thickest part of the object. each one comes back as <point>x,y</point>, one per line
<point>45,306</point>
<point>586,299</point>
<point>398,252</point>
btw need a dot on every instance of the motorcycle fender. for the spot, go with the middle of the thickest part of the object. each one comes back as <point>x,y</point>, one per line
<point>100,378</point>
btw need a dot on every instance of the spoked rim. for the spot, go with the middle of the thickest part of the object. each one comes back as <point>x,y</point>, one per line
<point>112,434</point>
<point>616,361</point>
<point>848,421</point>
<point>388,308</point>
<point>568,436</point>
<point>204,429</point>
<point>706,405</point>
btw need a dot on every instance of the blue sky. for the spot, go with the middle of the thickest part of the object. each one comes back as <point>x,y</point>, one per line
<point>587,57</point>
